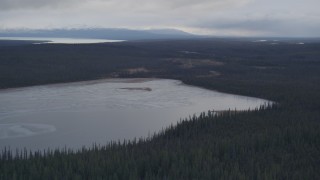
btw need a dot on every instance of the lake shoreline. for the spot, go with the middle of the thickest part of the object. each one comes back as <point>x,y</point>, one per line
<point>83,82</point>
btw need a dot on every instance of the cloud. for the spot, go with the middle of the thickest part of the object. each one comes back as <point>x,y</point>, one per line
<point>33,4</point>
<point>218,17</point>
<point>122,4</point>
<point>270,25</point>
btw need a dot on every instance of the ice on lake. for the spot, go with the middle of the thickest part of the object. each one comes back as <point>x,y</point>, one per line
<point>51,40</point>
<point>79,114</point>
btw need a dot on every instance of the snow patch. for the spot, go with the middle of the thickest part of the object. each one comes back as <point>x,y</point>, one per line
<point>24,130</point>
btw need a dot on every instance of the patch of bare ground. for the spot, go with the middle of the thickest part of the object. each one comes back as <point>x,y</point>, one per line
<point>210,74</point>
<point>129,80</point>
<point>262,67</point>
<point>191,63</point>
<point>267,67</point>
<point>130,71</point>
<point>137,70</point>
<point>138,88</point>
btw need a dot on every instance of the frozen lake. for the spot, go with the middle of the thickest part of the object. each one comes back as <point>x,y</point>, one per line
<point>79,114</point>
<point>50,40</point>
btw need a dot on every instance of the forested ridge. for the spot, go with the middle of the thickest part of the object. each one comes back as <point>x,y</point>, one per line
<point>280,141</point>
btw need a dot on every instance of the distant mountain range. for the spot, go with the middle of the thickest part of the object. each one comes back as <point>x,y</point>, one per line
<point>100,33</point>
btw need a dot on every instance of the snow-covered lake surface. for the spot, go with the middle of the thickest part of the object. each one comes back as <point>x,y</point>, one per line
<point>50,40</point>
<point>79,114</point>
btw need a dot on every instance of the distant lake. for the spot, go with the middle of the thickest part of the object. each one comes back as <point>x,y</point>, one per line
<point>79,114</point>
<point>50,40</point>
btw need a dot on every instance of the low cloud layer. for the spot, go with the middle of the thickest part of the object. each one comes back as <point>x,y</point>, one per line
<point>6,5</point>
<point>137,4</point>
<point>215,17</point>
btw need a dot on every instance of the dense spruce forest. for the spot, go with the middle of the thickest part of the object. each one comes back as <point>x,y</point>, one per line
<point>279,141</point>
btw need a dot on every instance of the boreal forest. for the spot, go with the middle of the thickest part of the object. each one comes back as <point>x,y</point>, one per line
<point>276,141</point>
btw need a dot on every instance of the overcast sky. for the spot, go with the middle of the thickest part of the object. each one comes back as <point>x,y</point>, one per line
<point>214,17</point>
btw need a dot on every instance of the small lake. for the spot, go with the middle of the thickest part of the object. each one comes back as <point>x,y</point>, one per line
<point>79,114</point>
<point>50,40</point>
